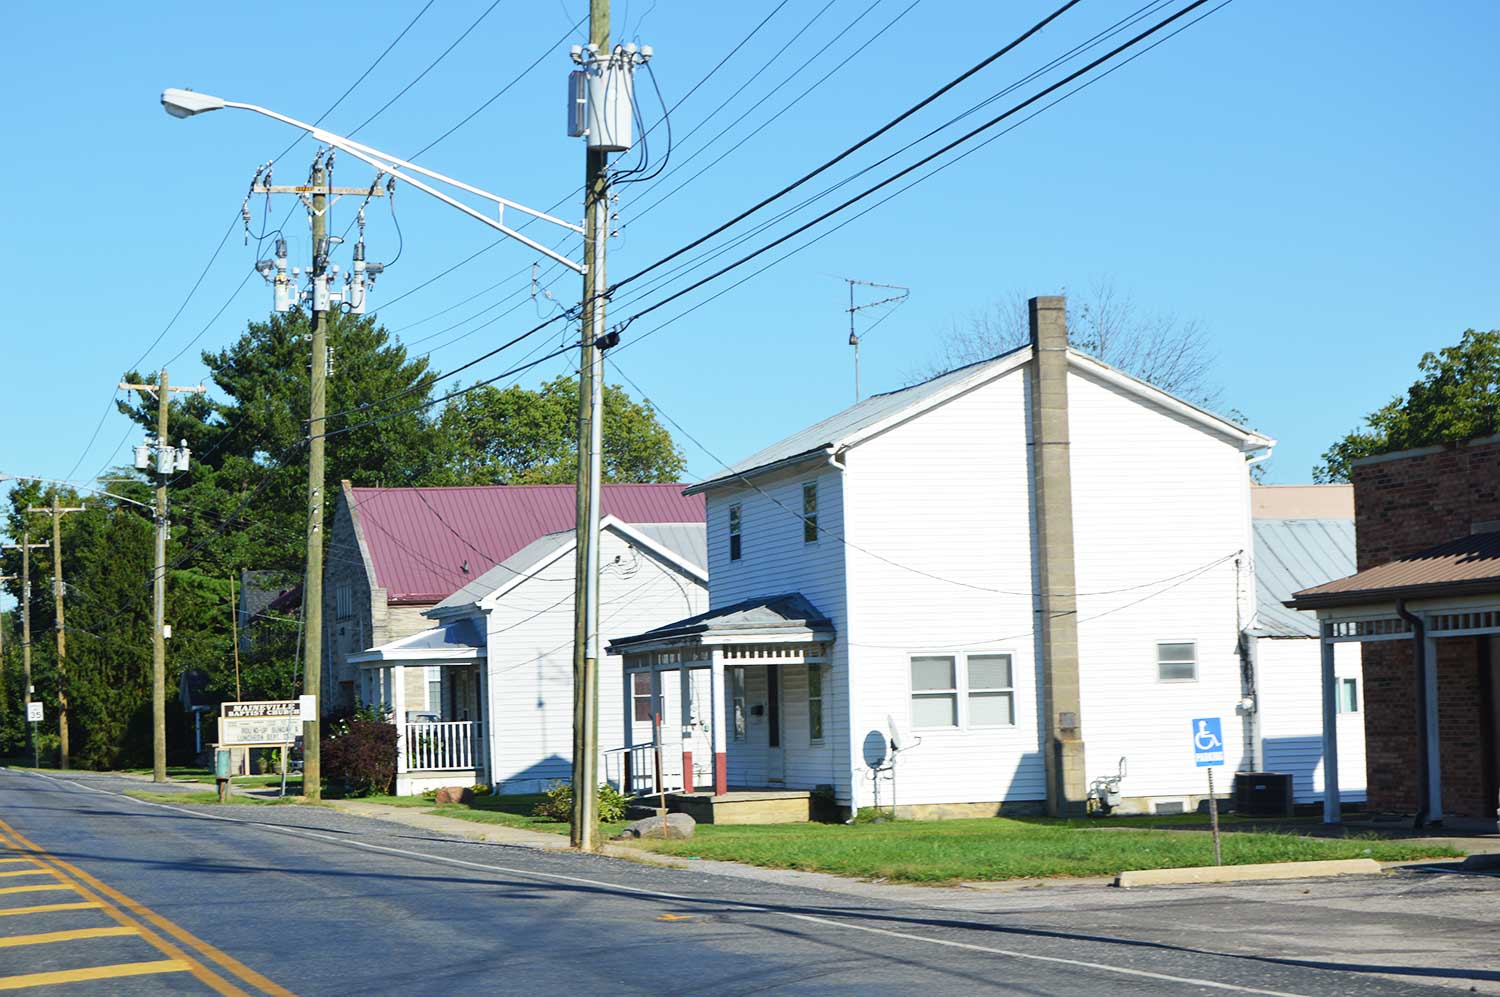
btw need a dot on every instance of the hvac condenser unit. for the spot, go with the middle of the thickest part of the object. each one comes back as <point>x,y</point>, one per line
<point>1263,794</point>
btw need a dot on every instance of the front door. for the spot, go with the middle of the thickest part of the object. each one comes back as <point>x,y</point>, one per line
<point>775,755</point>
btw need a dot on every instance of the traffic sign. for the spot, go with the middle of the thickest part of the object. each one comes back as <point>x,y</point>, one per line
<point>1208,741</point>
<point>34,713</point>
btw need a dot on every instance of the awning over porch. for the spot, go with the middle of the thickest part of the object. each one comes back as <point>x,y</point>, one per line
<point>458,640</point>
<point>1450,590</point>
<point>778,619</point>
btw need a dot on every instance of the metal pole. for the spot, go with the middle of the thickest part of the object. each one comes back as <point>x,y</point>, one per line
<point>159,599</point>
<point>312,590</point>
<point>1213,816</point>
<point>585,829</point>
<point>26,632</point>
<point>62,645</point>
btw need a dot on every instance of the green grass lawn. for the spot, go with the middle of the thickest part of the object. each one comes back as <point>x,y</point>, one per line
<point>513,811</point>
<point>998,848</point>
<point>209,796</point>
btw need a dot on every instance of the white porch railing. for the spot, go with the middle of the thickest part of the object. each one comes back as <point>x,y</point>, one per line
<point>642,771</point>
<point>436,747</point>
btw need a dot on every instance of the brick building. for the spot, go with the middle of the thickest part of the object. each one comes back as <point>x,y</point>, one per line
<point>1426,605</point>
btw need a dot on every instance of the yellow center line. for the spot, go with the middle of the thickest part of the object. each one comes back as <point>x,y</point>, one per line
<point>49,908</point>
<point>119,969</point>
<point>86,884</point>
<point>26,872</point>
<point>17,860</point>
<point>37,888</point>
<point>75,934</point>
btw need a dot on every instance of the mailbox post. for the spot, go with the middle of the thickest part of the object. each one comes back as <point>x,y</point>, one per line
<point>222,772</point>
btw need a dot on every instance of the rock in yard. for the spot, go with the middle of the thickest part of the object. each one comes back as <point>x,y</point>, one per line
<point>671,826</point>
<point>454,794</point>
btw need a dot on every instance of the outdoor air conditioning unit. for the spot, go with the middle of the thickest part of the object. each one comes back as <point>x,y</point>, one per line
<point>1263,794</point>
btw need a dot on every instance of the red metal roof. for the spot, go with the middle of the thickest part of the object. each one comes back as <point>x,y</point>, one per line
<point>420,539</point>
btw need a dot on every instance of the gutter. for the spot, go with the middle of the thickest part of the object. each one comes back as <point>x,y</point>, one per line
<point>826,450</point>
<point>1419,658</point>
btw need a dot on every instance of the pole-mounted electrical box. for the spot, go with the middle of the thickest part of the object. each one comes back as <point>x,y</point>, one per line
<point>601,96</point>
<point>578,102</point>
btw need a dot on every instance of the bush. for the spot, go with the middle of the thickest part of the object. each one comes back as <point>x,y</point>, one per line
<point>360,754</point>
<point>558,805</point>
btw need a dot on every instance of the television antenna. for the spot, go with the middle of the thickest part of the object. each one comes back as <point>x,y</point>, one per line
<point>895,299</point>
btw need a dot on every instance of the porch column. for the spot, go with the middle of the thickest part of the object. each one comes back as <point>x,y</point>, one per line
<point>1331,814</point>
<point>716,715</point>
<point>658,776</point>
<point>685,694</point>
<point>627,780</point>
<point>1434,743</point>
<point>398,708</point>
<point>481,742</point>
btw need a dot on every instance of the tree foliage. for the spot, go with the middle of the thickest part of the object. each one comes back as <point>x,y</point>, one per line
<point>1457,397</point>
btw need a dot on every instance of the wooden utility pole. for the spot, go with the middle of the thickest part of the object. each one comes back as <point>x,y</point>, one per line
<point>57,512</point>
<point>312,586</point>
<point>4,669</point>
<point>26,547</point>
<point>167,464</point>
<point>585,830</point>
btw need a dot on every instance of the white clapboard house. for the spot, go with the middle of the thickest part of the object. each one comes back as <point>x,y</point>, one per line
<point>1027,575</point>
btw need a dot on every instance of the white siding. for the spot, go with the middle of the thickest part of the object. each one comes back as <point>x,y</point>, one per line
<point>1291,710</point>
<point>948,495</point>
<point>776,560</point>
<point>531,659</point>
<point>1155,497</point>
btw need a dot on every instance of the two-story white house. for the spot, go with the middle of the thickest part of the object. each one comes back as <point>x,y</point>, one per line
<point>1027,574</point>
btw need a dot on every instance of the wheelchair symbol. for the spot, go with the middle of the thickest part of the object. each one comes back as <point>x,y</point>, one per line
<point>1205,739</point>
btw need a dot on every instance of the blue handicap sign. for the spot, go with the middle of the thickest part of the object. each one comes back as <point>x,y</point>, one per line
<point>1208,741</point>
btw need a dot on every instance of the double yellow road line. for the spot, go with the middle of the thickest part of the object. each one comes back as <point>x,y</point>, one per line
<point>23,862</point>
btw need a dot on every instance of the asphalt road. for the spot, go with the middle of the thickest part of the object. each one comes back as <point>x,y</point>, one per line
<point>311,901</point>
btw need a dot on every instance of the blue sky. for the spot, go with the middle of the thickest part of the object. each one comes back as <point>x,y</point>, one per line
<point>1311,182</point>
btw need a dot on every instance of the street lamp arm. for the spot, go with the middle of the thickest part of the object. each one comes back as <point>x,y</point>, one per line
<point>73,484</point>
<point>186,103</point>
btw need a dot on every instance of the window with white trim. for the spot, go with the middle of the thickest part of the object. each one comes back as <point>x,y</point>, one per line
<point>815,703</point>
<point>1177,661</point>
<point>734,533</point>
<point>640,696</point>
<point>435,690</point>
<point>991,697</point>
<point>1348,695</point>
<point>934,691</point>
<point>737,701</point>
<point>810,512</point>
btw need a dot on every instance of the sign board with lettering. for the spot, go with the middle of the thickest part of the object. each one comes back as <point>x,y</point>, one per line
<point>260,724</point>
<point>34,713</point>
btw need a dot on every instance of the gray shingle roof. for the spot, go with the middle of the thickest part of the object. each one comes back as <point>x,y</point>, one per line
<point>781,614</point>
<point>1292,555</point>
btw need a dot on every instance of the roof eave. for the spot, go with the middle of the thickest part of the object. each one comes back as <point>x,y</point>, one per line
<point>822,452</point>
<point>1364,597</point>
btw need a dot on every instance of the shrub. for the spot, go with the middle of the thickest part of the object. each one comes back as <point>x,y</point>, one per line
<point>559,804</point>
<point>360,754</point>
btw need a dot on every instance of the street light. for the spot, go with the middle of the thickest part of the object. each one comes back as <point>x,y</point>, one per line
<point>186,103</point>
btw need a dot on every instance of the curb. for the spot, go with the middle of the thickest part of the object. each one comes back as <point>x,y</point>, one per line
<point>1243,873</point>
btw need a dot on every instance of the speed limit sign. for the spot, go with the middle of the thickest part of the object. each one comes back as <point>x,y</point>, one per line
<point>34,713</point>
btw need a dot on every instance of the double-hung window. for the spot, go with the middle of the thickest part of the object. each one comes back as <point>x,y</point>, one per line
<point>810,512</point>
<point>640,696</point>
<point>962,691</point>
<point>1177,661</point>
<point>815,702</point>
<point>435,690</point>
<point>734,532</point>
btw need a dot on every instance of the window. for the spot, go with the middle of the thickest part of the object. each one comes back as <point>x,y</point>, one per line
<point>934,691</point>
<point>810,512</point>
<point>435,691</point>
<point>343,602</point>
<point>815,702</point>
<point>991,699</point>
<point>734,533</point>
<point>1348,695</point>
<point>640,695</point>
<point>1177,662</point>
<point>737,701</point>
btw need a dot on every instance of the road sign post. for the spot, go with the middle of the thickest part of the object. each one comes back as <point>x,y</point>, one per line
<point>34,717</point>
<point>1208,752</point>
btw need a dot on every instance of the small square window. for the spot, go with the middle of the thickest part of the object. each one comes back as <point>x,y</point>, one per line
<point>734,533</point>
<point>934,691</point>
<point>991,698</point>
<point>1348,695</point>
<point>1177,662</point>
<point>810,512</point>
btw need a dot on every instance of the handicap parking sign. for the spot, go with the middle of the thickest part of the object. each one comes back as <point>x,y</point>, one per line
<point>1208,741</point>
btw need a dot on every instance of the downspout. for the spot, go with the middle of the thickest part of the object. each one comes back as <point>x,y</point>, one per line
<point>1419,659</point>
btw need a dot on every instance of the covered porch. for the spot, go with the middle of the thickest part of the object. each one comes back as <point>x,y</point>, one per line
<point>708,718</point>
<point>1431,626</point>
<point>432,684</point>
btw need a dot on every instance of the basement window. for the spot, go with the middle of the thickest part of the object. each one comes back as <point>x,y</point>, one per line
<point>1177,661</point>
<point>1348,695</point>
<point>734,533</point>
<point>810,512</point>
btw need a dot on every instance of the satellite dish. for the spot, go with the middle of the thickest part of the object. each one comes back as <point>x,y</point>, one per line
<point>898,741</point>
<point>875,750</point>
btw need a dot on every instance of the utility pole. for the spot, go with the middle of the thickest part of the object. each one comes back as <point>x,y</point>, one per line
<point>57,511</point>
<point>3,668</point>
<point>234,636</point>
<point>26,547</point>
<point>853,308</point>
<point>169,460</point>
<point>312,585</point>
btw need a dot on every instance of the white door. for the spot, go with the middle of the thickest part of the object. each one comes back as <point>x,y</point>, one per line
<point>775,753</point>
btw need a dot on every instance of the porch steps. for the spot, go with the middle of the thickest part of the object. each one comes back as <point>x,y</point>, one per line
<point>738,806</point>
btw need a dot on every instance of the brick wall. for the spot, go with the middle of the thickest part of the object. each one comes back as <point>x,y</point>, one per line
<point>1402,506</point>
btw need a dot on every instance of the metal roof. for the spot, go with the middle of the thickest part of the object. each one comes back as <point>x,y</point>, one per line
<point>422,540</point>
<point>790,613</point>
<point>1467,565</point>
<point>1293,554</point>
<point>460,638</point>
